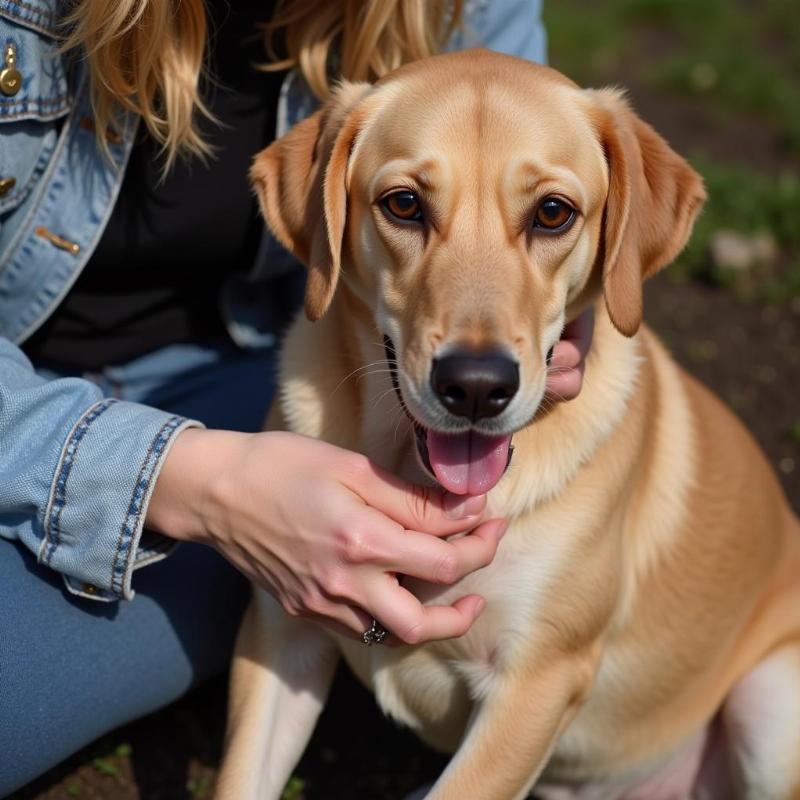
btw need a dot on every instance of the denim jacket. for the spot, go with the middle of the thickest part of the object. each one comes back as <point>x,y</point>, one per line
<point>77,469</point>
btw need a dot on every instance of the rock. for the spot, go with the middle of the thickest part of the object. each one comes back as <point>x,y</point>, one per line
<point>740,252</point>
<point>703,77</point>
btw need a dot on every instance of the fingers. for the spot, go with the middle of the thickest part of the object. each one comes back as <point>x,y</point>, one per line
<point>565,373</point>
<point>436,561</point>
<point>344,620</point>
<point>419,508</point>
<point>566,355</point>
<point>409,623</point>
<point>373,555</point>
<point>347,619</point>
<point>565,384</point>
<point>366,586</point>
<point>412,623</point>
<point>321,607</point>
<point>579,332</point>
<point>371,540</point>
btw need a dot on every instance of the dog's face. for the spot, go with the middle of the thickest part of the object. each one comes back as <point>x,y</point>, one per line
<point>475,203</point>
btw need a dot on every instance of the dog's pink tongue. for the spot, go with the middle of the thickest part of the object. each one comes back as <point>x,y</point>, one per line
<point>467,463</point>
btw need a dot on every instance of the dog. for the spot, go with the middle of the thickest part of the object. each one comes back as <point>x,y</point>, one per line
<point>641,637</point>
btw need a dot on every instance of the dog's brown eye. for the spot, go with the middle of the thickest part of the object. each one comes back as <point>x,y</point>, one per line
<point>404,206</point>
<point>553,214</point>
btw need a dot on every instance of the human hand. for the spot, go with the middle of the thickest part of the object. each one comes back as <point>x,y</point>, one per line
<point>565,371</point>
<point>324,530</point>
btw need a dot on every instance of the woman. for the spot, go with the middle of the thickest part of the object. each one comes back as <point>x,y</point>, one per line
<point>140,300</point>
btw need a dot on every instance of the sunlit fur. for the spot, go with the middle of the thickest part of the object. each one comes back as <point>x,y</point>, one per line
<point>643,609</point>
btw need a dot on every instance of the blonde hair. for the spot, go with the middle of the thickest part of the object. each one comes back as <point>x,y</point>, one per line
<point>147,56</point>
<point>365,39</point>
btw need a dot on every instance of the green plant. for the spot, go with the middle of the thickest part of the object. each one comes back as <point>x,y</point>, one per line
<point>294,789</point>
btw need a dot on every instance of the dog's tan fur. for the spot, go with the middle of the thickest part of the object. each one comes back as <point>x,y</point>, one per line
<point>643,609</point>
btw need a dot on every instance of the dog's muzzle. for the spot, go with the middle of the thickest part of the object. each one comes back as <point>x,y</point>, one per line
<point>469,462</point>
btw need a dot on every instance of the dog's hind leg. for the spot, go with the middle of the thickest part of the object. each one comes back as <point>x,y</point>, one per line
<point>761,717</point>
<point>282,672</point>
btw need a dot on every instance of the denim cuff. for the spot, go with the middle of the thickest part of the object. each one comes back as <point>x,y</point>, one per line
<point>99,496</point>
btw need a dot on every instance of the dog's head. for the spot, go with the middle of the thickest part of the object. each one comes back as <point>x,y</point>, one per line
<point>476,202</point>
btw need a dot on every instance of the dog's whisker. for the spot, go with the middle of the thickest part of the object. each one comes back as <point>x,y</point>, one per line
<point>554,395</point>
<point>396,419</point>
<point>385,361</point>
<point>373,373</point>
<point>361,369</point>
<point>380,363</point>
<point>379,398</point>
<point>400,418</point>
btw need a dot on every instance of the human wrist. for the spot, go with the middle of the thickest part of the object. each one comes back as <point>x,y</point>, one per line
<point>184,504</point>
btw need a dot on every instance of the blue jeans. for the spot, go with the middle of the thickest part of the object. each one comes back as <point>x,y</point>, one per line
<point>72,669</point>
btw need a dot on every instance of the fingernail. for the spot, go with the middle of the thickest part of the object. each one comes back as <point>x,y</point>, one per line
<point>458,506</point>
<point>479,606</point>
<point>503,528</point>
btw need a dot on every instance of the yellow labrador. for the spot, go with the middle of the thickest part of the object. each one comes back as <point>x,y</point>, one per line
<point>642,631</point>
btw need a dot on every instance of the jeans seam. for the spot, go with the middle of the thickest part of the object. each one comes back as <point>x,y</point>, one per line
<point>18,108</point>
<point>31,7</point>
<point>29,13</point>
<point>58,492</point>
<point>140,490</point>
<point>13,255</point>
<point>20,194</point>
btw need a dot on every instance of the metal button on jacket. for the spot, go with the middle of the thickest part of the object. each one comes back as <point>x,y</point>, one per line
<point>10,77</point>
<point>6,185</point>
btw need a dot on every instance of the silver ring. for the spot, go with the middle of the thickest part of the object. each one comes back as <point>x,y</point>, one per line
<point>375,634</point>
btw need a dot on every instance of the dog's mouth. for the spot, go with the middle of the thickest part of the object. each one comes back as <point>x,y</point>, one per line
<point>463,463</point>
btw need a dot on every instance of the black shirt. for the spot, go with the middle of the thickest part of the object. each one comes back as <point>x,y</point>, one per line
<point>155,276</point>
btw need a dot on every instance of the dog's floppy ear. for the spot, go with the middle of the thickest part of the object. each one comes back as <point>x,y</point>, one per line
<point>654,197</point>
<point>300,180</point>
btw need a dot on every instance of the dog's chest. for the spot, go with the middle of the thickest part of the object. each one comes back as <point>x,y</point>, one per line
<point>432,687</point>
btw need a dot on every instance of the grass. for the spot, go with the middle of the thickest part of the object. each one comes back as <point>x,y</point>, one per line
<point>750,202</point>
<point>749,65</point>
<point>742,61</point>
<point>200,788</point>
<point>294,789</point>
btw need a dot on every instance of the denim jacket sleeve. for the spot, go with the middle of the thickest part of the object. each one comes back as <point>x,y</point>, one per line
<point>76,474</point>
<point>76,469</point>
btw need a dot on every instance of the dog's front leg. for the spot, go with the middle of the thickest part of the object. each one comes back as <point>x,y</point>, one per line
<point>513,732</point>
<point>282,671</point>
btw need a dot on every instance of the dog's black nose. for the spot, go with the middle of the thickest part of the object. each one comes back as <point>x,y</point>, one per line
<point>475,386</point>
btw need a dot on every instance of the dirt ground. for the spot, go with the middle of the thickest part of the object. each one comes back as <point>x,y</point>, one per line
<point>749,353</point>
